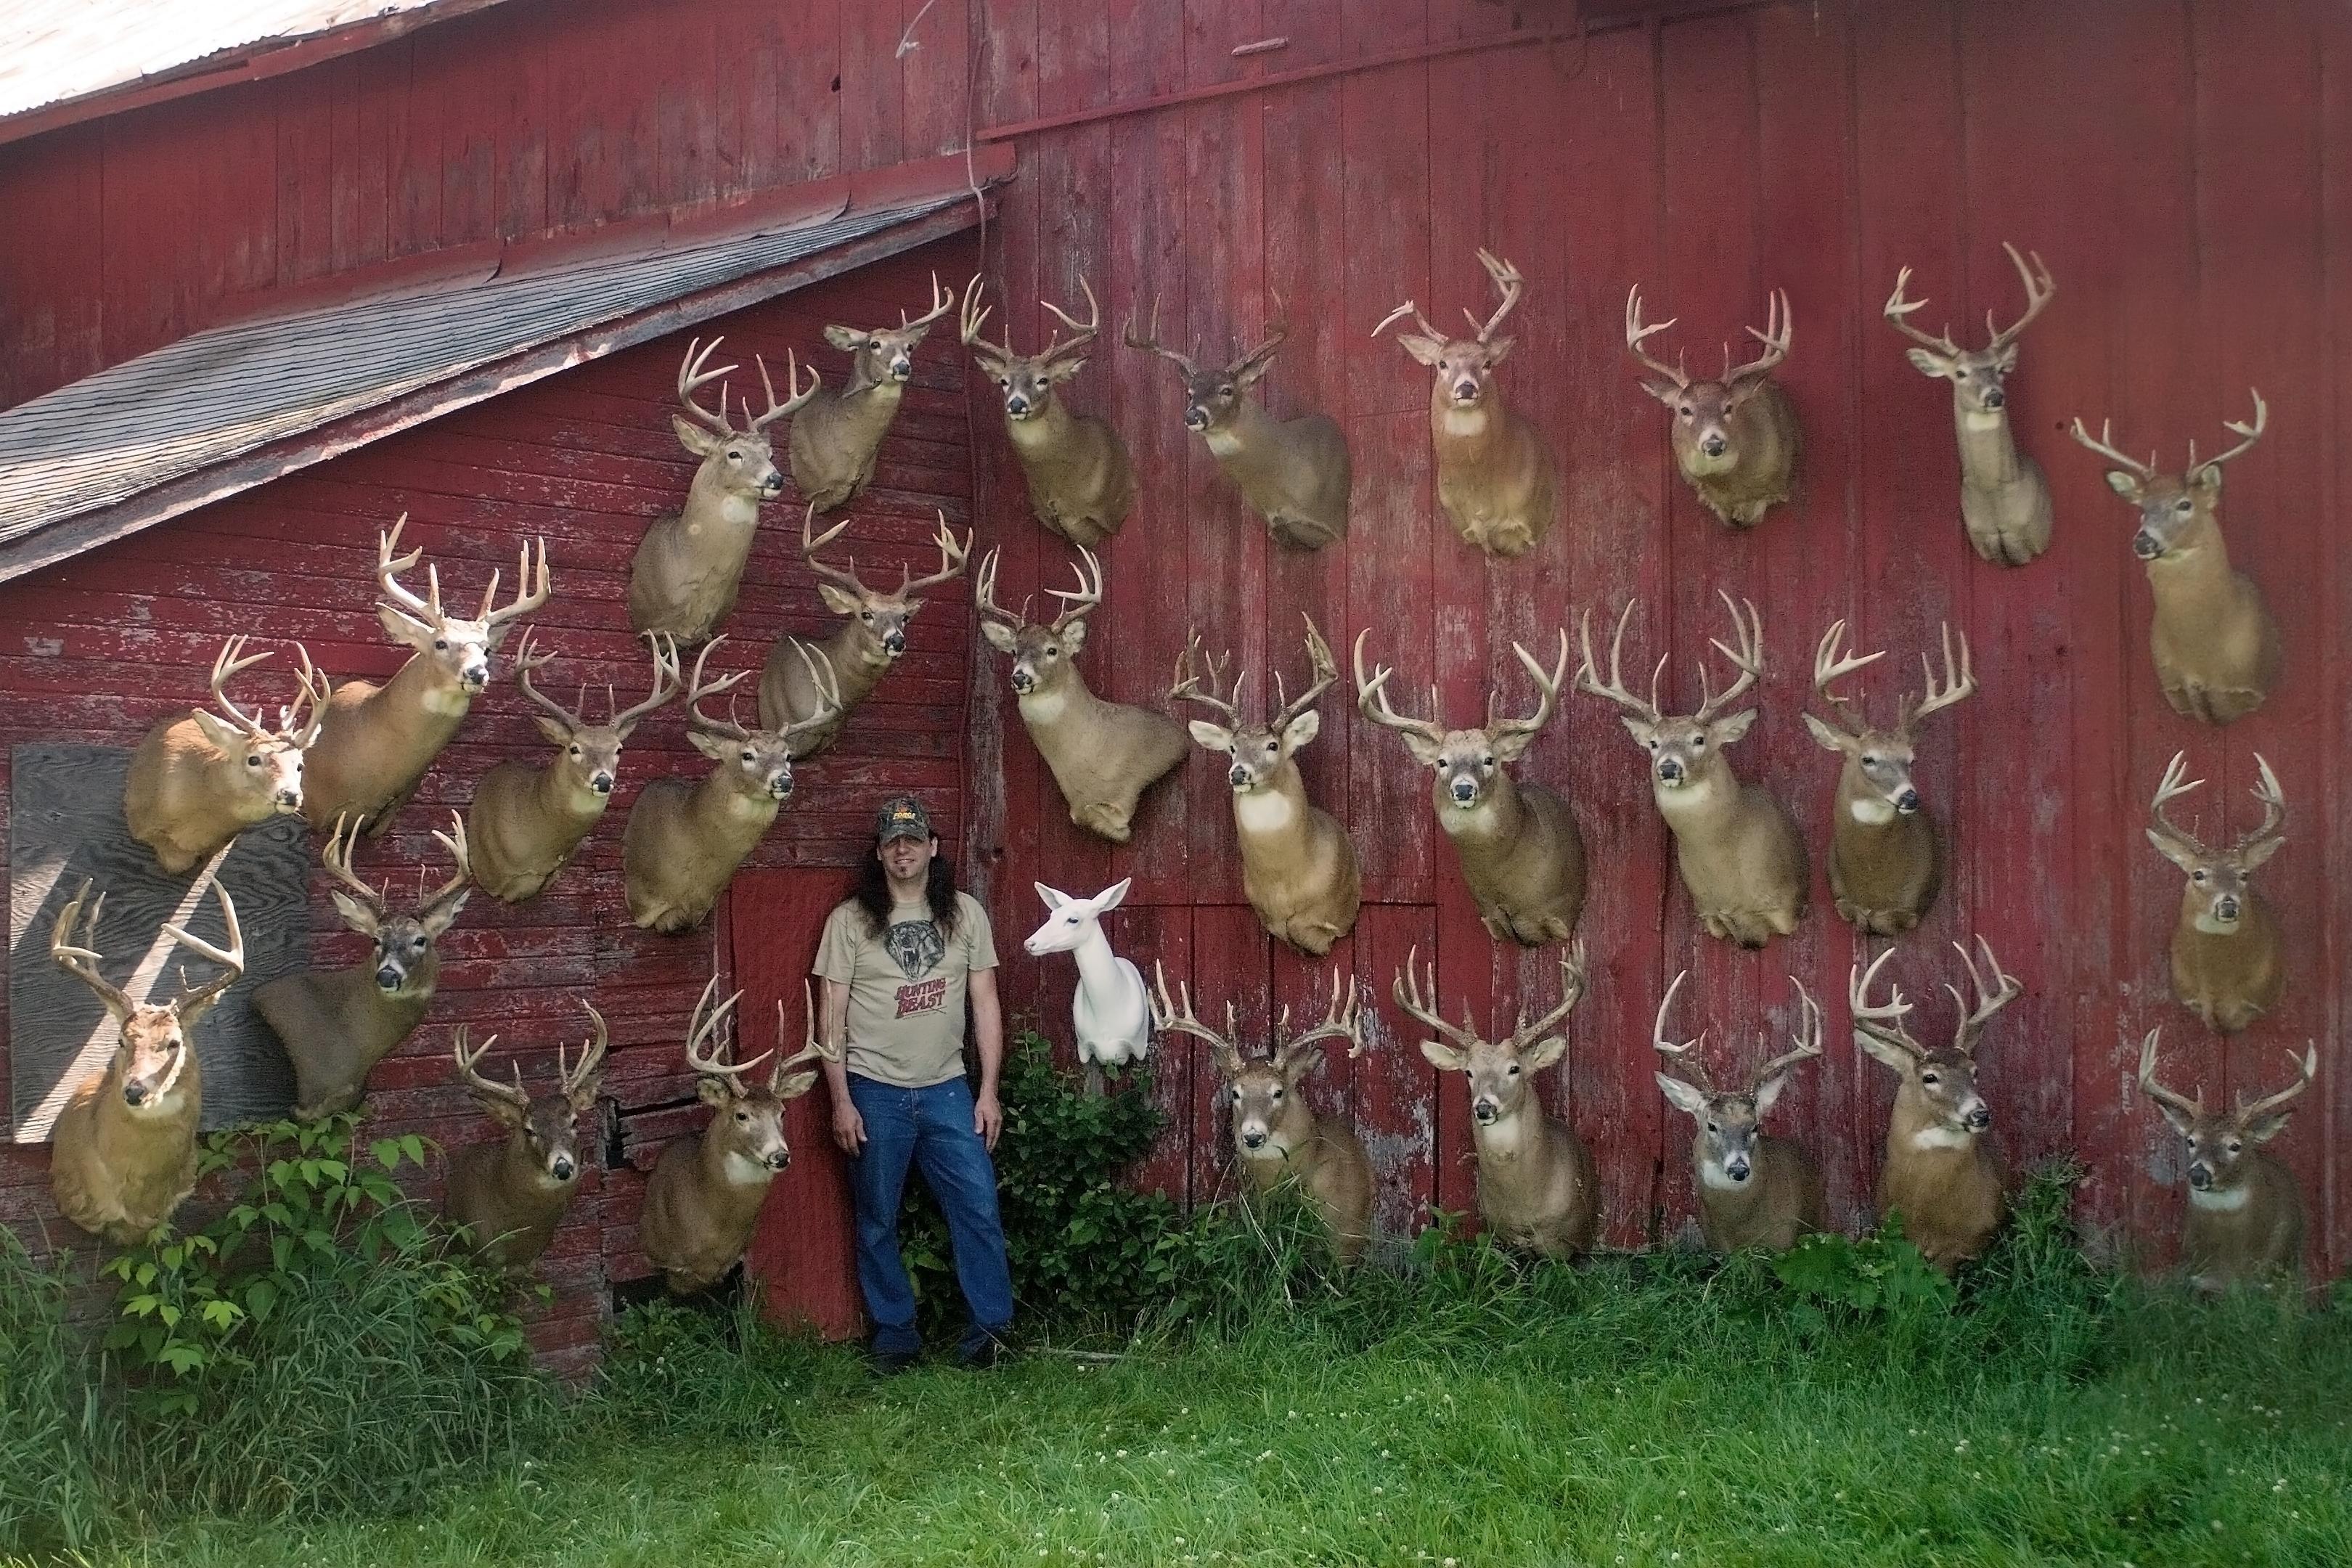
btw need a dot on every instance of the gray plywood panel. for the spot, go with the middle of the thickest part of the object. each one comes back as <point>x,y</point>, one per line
<point>66,823</point>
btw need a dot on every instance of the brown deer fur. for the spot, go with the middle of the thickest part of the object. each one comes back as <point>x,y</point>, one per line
<point>1081,485</point>
<point>1735,438</point>
<point>2244,1220</point>
<point>197,779</point>
<point>835,435</point>
<point>510,1194</point>
<point>1754,1190</point>
<point>2227,963</point>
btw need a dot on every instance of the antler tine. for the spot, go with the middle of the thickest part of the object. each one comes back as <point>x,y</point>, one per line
<point>1881,1021</point>
<point>1149,342</point>
<point>311,701</point>
<point>1277,333</point>
<point>1525,1033</point>
<point>1831,664</point>
<point>1372,698</point>
<point>1325,670</point>
<point>1897,310</point>
<point>1636,334</point>
<point>1187,686</point>
<point>225,665</point>
<point>667,683</point>
<point>1990,998</point>
<point>698,693</point>
<point>2104,447</point>
<point>1508,282</point>
<point>82,960</point>
<point>469,1072</point>
<point>826,682</point>
<point>1747,659</point>
<point>1587,677</point>
<point>2192,1109</point>
<point>840,577</point>
<point>709,1026</point>
<point>1342,1020</point>
<point>1778,325</point>
<point>528,661</point>
<point>2253,433</point>
<point>336,857</point>
<point>1399,313</point>
<point>811,1050</point>
<point>942,301</point>
<point>1684,1054</point>
<point>971,317</point>
<point>388,567</point>
<point>2274,802</point>
<point>2169,789</point>
<point>1806,1040</point>
<point>1177,1017</point>
<point>1959,681</point>
<point>577,1084</point>
<point>529,594</point>
<point>1547,691</point>
<point>983,592</point>
<point>795,399</point>
<point>231,959</point>
<point>953,558</point>
<point>454,841</point>
<point>2306,1069</point>
<point>1085,329</point>
<point>692,377</point>
<point>1079,605</point>
<point>2039,288</point>
<point>1407,990</point>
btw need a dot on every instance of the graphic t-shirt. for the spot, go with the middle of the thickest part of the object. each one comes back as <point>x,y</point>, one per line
<point>907,1002</point>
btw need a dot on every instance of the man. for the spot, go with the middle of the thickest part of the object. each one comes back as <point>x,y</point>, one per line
<point>903,959</point>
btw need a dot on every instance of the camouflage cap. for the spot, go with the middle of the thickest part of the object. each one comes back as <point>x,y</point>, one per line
<point>902,817</point>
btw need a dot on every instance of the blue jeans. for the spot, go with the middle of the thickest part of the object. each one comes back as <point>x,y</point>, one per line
<point>932,1128</point>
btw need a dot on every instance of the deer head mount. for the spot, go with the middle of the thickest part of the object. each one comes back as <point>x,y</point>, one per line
<point>1081,485</point>
<point>2228,960</point>
<point>835,437</point>
<point>199,780</point>
<point>1735,438</point>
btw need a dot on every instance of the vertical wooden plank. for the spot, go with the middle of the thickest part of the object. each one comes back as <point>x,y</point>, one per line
<point>1159,940</point>
<point>800,53</point>
<point>1396,1092</point>
<point>2332,1205</point>
<point>51,334</point>
<point>1229,965</point>
<point>872,112</point>
<point>413,189</point>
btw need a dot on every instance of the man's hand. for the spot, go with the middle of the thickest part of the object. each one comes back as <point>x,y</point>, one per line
<point>848,1126</point>
<point>987,1117</point>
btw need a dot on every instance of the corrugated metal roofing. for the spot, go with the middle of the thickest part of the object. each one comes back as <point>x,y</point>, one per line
<point>214,395</point>
<point>55,51</point>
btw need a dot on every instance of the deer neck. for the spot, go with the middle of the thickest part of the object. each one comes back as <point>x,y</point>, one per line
<point>1858,804</point>
<point>729,1170</point>
<point>562,796</point>
<point>1248,440</point>
<point>1289,1142</point>
<point>2193,577</point>
<point>1066,700</point>
<point>1098,966</point>
<point>1705,803</point>
<point>1274,811</point>
<point>1915,1131</point>
<point>153,1135</point>
<point>1043,433</point>
<point>859,660</point>
<point>709,503</point>
<point>1470,431</point>
<point>421,687</point>
<point>1511,1137</point>
<point>1495,819</point>
<point>731,806</point>
<point>525,1179</point>
<point>1987,449</point>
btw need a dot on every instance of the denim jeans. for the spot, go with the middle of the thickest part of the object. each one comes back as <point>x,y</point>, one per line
<point>931,1128</point>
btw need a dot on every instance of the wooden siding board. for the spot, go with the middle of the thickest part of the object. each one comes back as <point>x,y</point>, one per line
<point>2333,846</point>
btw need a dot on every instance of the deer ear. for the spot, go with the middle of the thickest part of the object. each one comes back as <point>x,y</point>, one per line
<point>2179,1122</point>
<point>2263,1129</point>
<point>846,338</point>
<point>1724,732</point>
<point>1929,364</point>
<point>713,1092</point>
<point>1641,730</point>
<point>2124,484</point>
<point>1074,637</point>
<point>2006,361</point>
<point>1055,897</point>
<point>355,914</point>
<point>1444,1058</point>
<point>1768,1093</point>
<point>1831,737</point>
<point>1000,635</point>
<point>505,1113</point>
<point>1666,392</point>
<point>1544,1053</point>
<point>1497,351</point>
<point>715,747</point>
<point>2172,851</point>
<point>2262,852</point>
<point>694,437</point>
<point>216,729</point>
<point>1428,351</point>
<point>1301,729</point>
<point>1682,1096</point>
<point>798,1084</point>
<point>840,601</point>
<point>1885,1053</point>
<point>1216,737</point>
<point>1511,748</point>
<point>1250,374</point>
<point>444,914</point>
<point>1110,898</point>
<point>1062,369</point>
<point>1425,751</point>
<point>557,734</point>
<point>403,629</point>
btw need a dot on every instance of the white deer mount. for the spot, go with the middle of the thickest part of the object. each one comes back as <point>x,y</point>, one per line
<point>1111,1014</point>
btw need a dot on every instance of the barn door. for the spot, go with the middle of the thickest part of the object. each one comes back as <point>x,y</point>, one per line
<point>803,1252</point>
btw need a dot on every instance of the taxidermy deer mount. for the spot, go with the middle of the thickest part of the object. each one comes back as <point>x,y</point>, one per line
<point>835,435</point>
<point>199,779</point>
<point>1735,438</point>
<point>2227,963</point>
<point>1081,485</point>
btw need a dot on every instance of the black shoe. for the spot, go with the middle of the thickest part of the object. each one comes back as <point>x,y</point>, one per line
<point>890,1364</point>
<point>986,1355</point>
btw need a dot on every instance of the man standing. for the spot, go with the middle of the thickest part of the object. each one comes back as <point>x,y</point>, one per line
<point>900,959</point>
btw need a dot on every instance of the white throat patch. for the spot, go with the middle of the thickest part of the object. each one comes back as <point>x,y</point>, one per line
<point>1262,811</point>
<point>2228,1201</point>
<point>1871,810</point>
<point>1939,1137</point>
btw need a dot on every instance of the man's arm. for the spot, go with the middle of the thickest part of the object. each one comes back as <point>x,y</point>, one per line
<point>988,1030</point>
<point>848,1126</point>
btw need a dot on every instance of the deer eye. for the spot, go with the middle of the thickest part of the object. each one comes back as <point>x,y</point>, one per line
<point>1930,1079</point>
<point>748,757</point>
<point>1513,1069</point>
<point>574,750</point>
<point>1711,1127</point>
<point>2184,506</point>
<point>1224,391</point>
<point>1238,1096</point>
<point>1653,744</point>
<point>417,943</point>
<point>1004,381</point>
<point>2197,875</point>
<point>1052,651</point>
<point>1686,410</point>
<point>1276,1097</point>
<point>865,615</point>
<point>743,1116</point>
<point>1699,743</point>
<point>1273,746</point>
<point>874,343</point>
<point>733,456</point>
<point>1487,761</point>
<point>2235,1146</point>
<point>253,760</point>
<point>441,645</point>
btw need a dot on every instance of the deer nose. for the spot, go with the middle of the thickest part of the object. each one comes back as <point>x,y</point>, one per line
<point>1712,446</point>
<point>2146,545</point>
<point>601,783</point>
<point>476,676</point>
<point>1980,1118</point>
<point>1907,802</point>
<point>894,644</point>
<point>780,1159</point>
<point>561,1169</point>
<point>901,368</point>
<point>289,800</point>
<point>134,1093</point>
<point>1995,398</point>
<point>387,978</point>
<point>1465,391</point>
<point>1484,1110</point>
<point>1023,680</point>
<point>1196,418</point>
<point>1465,791</point>
<point>1736,1168</point>
<point>773,484</point>
<point>2226,909</point>
<point>1238,775</point>
<point>2199,1177</point>
<point>1017,406</point>
<point>780,786</point>
<point>1254,1140</point>
<point>1672,772</point>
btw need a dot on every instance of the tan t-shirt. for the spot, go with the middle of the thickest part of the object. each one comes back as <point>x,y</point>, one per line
<point>906,1003</point>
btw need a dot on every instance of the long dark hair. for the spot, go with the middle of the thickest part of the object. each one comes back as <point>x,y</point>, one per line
<point>873,893</point>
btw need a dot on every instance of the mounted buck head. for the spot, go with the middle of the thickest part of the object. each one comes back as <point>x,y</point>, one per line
<point>1468,761</point>
<point>592,753</point>
<point>1263,1091</point>
<point>546,1129</point>
<point>1213,396</point>
<point>405,958</point>
<point>1729,1118</point>
<point>2174,509</point>
<point>1259,751</point>
<point>1072,920</point>
<point>735,462</point>
<point>2221,886</point>
<point>1465,366</point>
<point>1940,1085</point>
<point>262,768</point>
<point>748,1123</point>
<point>457,647</point>
<point>886,354</point>
<point>1499,1071</point>
<point>754,761</point>
<point>881,617</point>
<point>1028,381</point>
<point>1881,758</point>
<point>1705,434</point>
<point>1976,375</point>
<point>1042,656</point>
<point>154,1055</point>
<point>1682,748</point>
<point>2221,1143</point>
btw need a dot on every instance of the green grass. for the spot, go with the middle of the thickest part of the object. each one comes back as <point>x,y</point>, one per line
<point>1629,1410</point>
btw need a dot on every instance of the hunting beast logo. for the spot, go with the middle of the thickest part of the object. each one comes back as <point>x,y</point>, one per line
<point>914,946</point>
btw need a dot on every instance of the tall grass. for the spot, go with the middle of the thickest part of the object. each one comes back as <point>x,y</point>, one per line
<point>51,1424</point>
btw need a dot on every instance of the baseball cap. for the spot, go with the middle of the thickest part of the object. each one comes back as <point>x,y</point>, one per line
<point>902,817</point>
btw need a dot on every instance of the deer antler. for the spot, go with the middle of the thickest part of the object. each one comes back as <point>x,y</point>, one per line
<point>1747,659</point>
<point>2274,802</point>
<point>797,400</point>
<point>1829,664</point>
<point>1150,342</point>
<point>2169,789</point>
<point>1187,686</point>
<point>226,666</point>
<point>81,960</point>
<point>1897,310</point>
<point>825,682</point>
<point>311,701</point>
<point>953,557</point>
<point>528,661</point>
<point>1526,1031</point>
<point>1372,697</point>
<point>2103,447</point>
<point>968,320</point>
<point>1684,1054</point>
<point>1054,349</point>
<point>1399,313</point>
<point>1507,280</point>
<point>1341,1021</point>
<point>1774,337</point>
<point>1079,605</point>
<point>579,1084</point>
<point>984,593</point>
<point>1323,668</point>
<point>1407,990</point>
<point>487,1088</point>
<point>709,1026</point>
<point>1994,991</point>
<point>1806,1041</point>
<point>1277,333</point>
<point>336,857</point>
<point>2305,1070</point>
<point>942,301</point>
<point>692,377</point>
<point>2192,1109</point>
<point>698,693</point>
<point>454,841</point>
<point>2253,433</point>
<point>1177,1018</point>
<point>811,1049</point>
<point>388,568</point>
<point>524,602</point>
<point>1959,681</point>
<point>667,683</point>
<point>2039,288</point>
<point>839,577</point>
<point>1587,677</point>
<point>1636,334</point>
<point>1881,1021</point>
<point>1547,690</point>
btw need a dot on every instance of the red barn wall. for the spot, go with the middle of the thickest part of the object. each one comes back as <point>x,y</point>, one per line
<point>100,647</point>
<point>2179,164</point>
